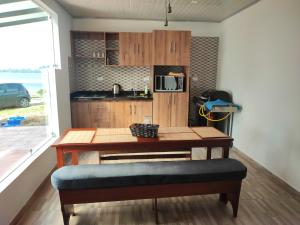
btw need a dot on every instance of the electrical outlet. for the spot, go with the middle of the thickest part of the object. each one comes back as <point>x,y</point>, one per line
<point>100,78</point>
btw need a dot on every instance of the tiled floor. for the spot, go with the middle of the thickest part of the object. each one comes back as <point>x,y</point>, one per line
<point>16,144</point>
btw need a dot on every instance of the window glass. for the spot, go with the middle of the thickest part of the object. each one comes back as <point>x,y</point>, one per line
<point>25,88</point>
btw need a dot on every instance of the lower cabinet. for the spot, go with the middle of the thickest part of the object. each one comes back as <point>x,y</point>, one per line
<point>170,109</point>
<point>110,113</point>
<point>80,112</point>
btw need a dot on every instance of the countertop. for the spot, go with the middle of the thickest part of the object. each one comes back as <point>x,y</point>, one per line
<point>108,96</point>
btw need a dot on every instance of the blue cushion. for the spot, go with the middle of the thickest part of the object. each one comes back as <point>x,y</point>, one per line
<point>146,173</point>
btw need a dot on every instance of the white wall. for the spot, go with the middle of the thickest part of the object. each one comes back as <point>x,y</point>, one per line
<point>197,28</point>
<point>260,64</point>
<point>15,196</point>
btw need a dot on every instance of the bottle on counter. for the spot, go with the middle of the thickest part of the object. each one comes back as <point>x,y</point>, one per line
<point>146,91</point>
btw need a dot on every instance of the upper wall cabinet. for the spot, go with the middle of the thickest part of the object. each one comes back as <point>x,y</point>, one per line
<point>171,47</point>
<point>135,49</point>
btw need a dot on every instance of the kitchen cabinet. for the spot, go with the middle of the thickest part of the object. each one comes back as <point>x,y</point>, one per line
<point>127,112</point>
<point>113,114</point>
<point>171,47</point>
<point>142,112</point>
<point>80,112</point>
<point>170,109</point>
<point>100,114</point>
<point>179,109</point>
<point>135,49</point>
<point>161,109</point>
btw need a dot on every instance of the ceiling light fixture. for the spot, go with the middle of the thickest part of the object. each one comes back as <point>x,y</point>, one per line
<point>169,7</point>
<point>168,10</point>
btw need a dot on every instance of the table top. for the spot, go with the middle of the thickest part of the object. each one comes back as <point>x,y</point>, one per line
<point>102,136</point>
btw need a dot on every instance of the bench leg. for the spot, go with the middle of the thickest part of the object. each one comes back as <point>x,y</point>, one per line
<point>223,198</point>
<point>234,200</point>
<point>155,210</point>
<point>65,214</point>
<point>208,153</point>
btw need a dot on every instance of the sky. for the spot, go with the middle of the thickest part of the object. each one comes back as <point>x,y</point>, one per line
<point>27,46</point>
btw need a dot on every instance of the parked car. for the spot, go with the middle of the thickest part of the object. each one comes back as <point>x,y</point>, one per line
<point>14,95</point>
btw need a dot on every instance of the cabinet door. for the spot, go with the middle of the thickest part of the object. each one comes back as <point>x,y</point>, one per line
<point>162,109</point>
<point>179,109</point>
<point>135,49</point>
<point>171,47</point>
<point>124,48</point>
<point>100,114</point>
<point>183,47</point>
<point>159,48</point>
<point>80,114</point>
<point>172,41</point>
<point>142,112</point>
<point>143,49</point>
<point>122,112</point>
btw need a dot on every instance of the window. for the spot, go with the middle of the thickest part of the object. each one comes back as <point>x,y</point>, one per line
<point>26,83</point>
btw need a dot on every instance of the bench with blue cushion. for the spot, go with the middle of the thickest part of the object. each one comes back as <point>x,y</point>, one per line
<point>148,180</point>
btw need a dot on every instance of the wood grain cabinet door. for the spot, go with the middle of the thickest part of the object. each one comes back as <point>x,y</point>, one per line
<point>183,47</point>
<point>100,114</point>
<point>142,112</point>
<point>135,49</point>
<point>179,109</point>
<point>121,114</point>
<point>80,112</point>
<point>162,109</point>
<point>124,48</point>
<point>159,47</point>
<point>171,47</point>
<point>143,49</point>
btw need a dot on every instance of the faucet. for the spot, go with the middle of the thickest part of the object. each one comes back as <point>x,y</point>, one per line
<point>133,88</point>
<point>134,91</point>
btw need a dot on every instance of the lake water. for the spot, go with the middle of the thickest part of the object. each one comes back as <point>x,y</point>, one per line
<point>32,81</point>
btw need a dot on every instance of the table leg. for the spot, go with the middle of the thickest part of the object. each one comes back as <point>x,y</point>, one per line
<point>60,157</point>
<point>225,152</point>
<point>208,154</point>
<point>74,158</point>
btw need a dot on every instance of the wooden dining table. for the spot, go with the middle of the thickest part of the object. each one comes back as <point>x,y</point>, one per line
<point>120,140</point>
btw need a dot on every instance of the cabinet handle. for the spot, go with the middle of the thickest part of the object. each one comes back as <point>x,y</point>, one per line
<point>138,46</point>
<point>174,46</point>
<point>174,99</point>
<point>134,109</point>
<point>130,110</point>
<point>171,46</point>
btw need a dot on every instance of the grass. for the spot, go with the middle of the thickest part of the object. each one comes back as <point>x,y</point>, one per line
<point>35,115</point>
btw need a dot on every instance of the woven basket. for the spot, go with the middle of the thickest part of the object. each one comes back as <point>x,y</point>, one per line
<point>144,130</point>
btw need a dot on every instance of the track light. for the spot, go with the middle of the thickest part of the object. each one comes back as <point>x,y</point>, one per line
<point>169,7</point>
<point>166,22</point>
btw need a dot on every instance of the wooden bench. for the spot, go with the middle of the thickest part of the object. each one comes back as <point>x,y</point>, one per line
<point>148,180</point>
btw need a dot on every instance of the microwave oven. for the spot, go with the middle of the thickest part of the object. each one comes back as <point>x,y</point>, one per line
<point>167,83</point>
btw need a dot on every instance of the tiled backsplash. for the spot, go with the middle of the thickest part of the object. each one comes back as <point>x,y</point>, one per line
<point>90,74</point>
<point>204,67</point>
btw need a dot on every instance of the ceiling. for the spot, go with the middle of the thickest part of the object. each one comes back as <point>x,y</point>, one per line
<point>183,10</point>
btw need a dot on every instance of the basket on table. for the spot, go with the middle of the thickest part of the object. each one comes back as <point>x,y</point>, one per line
<point>144,130</point>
